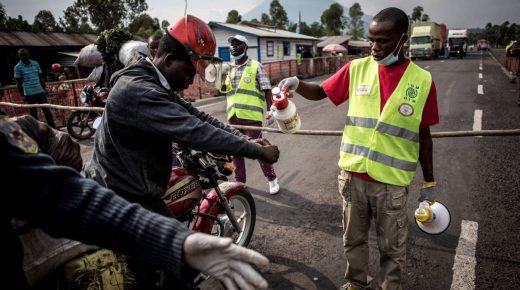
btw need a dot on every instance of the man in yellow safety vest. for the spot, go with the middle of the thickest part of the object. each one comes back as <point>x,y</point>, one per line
<point>248,91</point>
<point>392,104</point>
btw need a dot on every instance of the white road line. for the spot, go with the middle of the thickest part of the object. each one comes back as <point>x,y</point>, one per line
<point>465,261</point>
<point>442,61</point>
<point>427,67</point>
<point>480,67</point>
<point>479,75</point>
<point>477,121</point>
<point>480,89</point>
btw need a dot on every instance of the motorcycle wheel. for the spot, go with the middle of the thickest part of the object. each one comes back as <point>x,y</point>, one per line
<point>244,208</point>
<point>79,124</point>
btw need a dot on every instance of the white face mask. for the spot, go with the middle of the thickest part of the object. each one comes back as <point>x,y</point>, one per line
<point>233,58</point>
<point>392,57</point>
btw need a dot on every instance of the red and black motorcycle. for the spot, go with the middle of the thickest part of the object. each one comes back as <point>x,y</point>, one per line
<point>82,124</point>
<point>196,196</point>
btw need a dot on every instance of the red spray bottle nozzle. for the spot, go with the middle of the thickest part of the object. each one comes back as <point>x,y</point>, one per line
<point>279,98</point>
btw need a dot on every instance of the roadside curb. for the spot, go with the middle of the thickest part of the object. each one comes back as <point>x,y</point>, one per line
<point>504,69</point>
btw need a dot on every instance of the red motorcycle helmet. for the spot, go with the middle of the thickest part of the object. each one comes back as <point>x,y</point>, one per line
<point>198,39</point>
<point>56,67</point>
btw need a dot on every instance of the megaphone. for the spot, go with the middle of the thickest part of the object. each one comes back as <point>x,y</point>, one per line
<point>215,74</point>
<point>433,218</point>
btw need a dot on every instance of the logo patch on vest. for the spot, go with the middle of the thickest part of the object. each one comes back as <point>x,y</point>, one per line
<point>247,80</point>
<point>406,109</point>
<point>411,93</point>
<point>363,90</point>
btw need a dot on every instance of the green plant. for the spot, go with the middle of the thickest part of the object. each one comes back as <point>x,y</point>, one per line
<point>110,41</point>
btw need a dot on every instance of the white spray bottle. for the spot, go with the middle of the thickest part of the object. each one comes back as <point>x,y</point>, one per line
<point>284,112</point>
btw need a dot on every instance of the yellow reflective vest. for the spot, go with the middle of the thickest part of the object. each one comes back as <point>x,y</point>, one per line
<point>385,144</point>
<point>246,101</point>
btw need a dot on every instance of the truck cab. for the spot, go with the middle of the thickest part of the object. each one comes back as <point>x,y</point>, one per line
<point>457,41</point>
<point>425,40</point>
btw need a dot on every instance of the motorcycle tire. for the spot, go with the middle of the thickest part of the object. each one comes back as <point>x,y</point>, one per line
<point>79,124</point>
<point>243,205</point>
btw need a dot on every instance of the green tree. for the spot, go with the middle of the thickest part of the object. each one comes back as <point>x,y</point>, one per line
<point>233,17</point>
<point>416,13</point>
<point>512,33</point>
<point>278,15</point>
<point>425,17</point>
<point>354,23</point>
<point>165,24</point>
<point>44,22</point>
<point>105,14</point>
<point>264,19</point>
<point>70,22</point>
<point>333,19</point>
<point>3,18</point>
<point>251,22</point>
<point>315,29</point>
<point>17,24</point>
<point>144,25</point>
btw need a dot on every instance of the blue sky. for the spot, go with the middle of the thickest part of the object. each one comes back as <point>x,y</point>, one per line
<point>454,13</point>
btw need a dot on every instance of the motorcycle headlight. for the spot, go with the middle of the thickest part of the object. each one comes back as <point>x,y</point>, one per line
<point>83,97</point>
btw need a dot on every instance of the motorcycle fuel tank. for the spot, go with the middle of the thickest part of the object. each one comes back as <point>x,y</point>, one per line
<point>183,193</point>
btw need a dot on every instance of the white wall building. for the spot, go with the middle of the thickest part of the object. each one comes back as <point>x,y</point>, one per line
<point>265,43</point>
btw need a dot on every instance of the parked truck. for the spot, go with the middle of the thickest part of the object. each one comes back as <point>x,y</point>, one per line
<point>426,40</point>
<point>458,42</point>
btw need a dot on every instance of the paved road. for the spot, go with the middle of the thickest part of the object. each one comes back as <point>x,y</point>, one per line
<point>478,179</point>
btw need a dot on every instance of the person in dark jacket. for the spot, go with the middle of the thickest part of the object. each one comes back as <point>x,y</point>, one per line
<point>63,203</point>
<point>143,116</point>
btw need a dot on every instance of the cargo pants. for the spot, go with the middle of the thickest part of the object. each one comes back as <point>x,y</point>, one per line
<point>386,204</point>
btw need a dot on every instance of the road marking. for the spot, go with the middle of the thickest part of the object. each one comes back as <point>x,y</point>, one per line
<point>427,67</point>
<point>480,89</point>
<point>442,61</point>
<point>465,261</point>
<point>477,121</point>
<point>479,75</point>
<point>480,67</point>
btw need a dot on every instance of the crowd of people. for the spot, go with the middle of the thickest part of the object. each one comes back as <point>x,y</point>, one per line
<point>119,206</point>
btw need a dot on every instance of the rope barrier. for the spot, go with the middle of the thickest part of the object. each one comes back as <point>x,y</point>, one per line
<point>507,132</point>
<point>445,134</point>
<point>60,107</point>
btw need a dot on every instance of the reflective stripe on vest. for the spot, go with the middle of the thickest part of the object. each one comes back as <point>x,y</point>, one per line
<point>246,101</point>
<point>383,144</point>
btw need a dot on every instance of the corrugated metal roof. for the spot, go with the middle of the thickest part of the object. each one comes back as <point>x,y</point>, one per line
<point>261,31</point>
<point>359,43</point>
<point>337,39</point>
<point>22,38</point>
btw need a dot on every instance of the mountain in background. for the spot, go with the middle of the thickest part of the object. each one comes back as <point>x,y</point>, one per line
<point>311,10</point>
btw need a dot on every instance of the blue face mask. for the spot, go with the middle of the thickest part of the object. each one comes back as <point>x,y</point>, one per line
<point>233,58</point>
<point>392,57</point>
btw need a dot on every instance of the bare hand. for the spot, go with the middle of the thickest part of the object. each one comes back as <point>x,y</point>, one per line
<point>227,262</point>
<point>270,153</point>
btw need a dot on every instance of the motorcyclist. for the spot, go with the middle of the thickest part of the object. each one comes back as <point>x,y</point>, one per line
<point>144,115</point>
<point>63,203</point>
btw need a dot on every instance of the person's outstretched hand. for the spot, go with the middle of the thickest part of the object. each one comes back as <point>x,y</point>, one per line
<point>289,85</point>
<point>270,153</point>
<point>227,262</point>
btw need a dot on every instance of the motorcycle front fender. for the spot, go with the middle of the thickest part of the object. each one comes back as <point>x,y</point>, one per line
<point>210,205</point>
